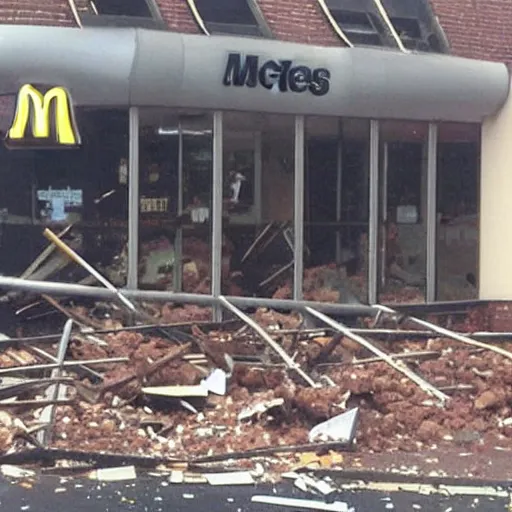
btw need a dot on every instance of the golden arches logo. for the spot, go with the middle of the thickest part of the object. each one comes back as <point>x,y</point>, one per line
<point>33,110</point>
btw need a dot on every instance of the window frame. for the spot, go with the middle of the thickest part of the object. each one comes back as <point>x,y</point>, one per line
<point>155,21</point>
<point>215,28</point>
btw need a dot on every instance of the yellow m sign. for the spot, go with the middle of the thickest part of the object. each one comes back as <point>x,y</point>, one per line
<point>34,110</point>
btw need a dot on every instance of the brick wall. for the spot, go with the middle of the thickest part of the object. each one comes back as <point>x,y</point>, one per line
<point>500,316</point>
<point>479,29</point>
<point>494,316</point>
<point>301,21</point>
<point>178,16</point>
<point>475,28</point>
<point>40,12</point>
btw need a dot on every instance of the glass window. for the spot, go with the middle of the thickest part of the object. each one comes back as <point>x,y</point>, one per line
<point>336,210</point>
<point>137,8</point>
<point>229,17</point>
<point>86,187</point>
<point>458,182</point>
<point>416,24</point>
<point>258,240</point>
<point>361,22</point>
<point>175,182</point>
<point>121,13</point>
<point>359,27</point>
<point>403,229</point>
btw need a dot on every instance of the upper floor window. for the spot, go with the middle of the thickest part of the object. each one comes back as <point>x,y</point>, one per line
<point>361,22</point>
<point>414,36</point>
<point>237,17</point>
<point>391,23</point>
<point>138,8</point>
<point>129,13</point>
<point>416,25</point>
<point>361,28</point>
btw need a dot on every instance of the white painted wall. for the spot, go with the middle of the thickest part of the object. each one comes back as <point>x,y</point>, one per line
<point>496,206</point>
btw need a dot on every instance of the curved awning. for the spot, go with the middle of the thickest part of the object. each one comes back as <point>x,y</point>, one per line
<point>121,67</point>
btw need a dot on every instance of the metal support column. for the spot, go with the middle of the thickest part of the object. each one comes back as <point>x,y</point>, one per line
<point>178,239</point>
<point>384,214</point>
<point>133,199</point>
<point>216,217</point>
<point>431,212</point>
<point>339,188</point>
<point>298,217</point>
<point>258,178</point>
<point>373,224</point>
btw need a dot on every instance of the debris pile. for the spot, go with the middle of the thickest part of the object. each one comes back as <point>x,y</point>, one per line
<point>197,389</point>
<point>164,382</point>
<point>253,266</point>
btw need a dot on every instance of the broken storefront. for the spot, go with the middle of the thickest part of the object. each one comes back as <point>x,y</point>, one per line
<point>287,172</point>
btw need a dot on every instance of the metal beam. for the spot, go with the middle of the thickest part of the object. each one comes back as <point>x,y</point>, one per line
<point>177,275</point>
<point>258,195</point>
<point>133,200</point>
<point>417,379</point>
<point>276,347</point>
<point>77,290</point>
<point>373,224</point>
<point>431,212</point>
<point>449,334</point>
<point>339,189</point>
<point>384,214</point>
<point>217,189</point>
<point>298,214</point>
<point>56,391</point>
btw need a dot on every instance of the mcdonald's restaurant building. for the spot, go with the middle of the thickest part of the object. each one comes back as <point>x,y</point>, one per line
<point>254,167</point>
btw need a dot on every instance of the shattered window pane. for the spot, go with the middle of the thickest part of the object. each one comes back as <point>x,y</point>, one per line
<point>458,170</point>
<point>55,188</point>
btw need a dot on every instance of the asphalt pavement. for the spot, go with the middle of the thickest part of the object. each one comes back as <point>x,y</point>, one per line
<point>156,494</point>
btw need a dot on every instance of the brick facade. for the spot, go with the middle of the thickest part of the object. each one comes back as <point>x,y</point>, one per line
<point>36,12</point>
<point>500,317</point>
<point>480,29</point>
<point>178,16</point>
<point>300,21</point>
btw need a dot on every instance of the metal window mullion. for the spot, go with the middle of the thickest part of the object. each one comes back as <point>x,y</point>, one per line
<point>298,214</point>
<point>178,239</point>
<point>216,222</point>
<point>339,189</point>
<point>260,19</point>
<point>390,26</point>
<point>258,178</point>
<point>384,213</point>
<point>133,200</point>
<point>373,221</point>
<point>431,212</point>
<point>334,24</point>
<point>154,10</point>
<point>197,16</point>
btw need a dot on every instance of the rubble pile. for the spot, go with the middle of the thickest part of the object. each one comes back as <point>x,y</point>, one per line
<point>158,259</point>
<point>331,283</point>
<point>200,389</point>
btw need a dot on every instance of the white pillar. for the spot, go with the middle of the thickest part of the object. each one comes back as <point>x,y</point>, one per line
<point>496,206</point>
